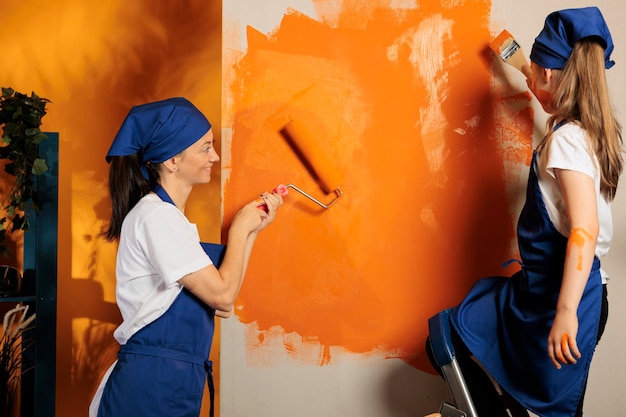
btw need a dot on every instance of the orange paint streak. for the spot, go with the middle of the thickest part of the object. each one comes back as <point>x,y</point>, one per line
<point>564,342</point>
<point>419,134</point>
<point>579,237</point>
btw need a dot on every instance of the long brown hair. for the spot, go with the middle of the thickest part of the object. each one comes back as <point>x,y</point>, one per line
<point>582,97</point>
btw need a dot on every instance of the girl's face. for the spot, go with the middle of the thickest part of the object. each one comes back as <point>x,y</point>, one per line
<point>541,83</point>
<point>196,161</point>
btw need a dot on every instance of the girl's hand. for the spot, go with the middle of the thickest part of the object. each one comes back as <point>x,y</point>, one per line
<point>562,346</point>
<point>581,202</point>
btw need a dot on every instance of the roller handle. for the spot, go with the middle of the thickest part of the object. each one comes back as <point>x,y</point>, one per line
<point>318,162</point>
<point>280,189</point>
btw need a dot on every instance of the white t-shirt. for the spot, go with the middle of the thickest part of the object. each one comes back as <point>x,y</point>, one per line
<point>158,246</point>
<point>569,149</point>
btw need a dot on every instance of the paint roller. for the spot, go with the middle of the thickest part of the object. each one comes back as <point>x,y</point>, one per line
<point>318,163</point>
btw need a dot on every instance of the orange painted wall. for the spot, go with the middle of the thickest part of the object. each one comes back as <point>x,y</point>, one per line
<point>94,60</point>
<point>407,103</point>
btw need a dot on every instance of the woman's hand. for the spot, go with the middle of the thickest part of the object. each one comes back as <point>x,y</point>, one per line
<point>251,218</point>
<point>271,203</point>
<point>247,220</point>
<point>562,346</point>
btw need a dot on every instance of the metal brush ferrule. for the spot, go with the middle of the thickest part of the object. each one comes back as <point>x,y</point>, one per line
<point>509,50</point>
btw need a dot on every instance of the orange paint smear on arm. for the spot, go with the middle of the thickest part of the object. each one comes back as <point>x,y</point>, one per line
<point>564,347</point>
<point>580,237</point>
<point>564,341</point>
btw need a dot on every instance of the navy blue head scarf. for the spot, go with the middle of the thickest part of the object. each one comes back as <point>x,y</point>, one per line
<point>553,46</point>
<point>158,131</point>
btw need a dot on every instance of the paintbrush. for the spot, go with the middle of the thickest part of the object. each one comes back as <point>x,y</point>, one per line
<point>509,51</point>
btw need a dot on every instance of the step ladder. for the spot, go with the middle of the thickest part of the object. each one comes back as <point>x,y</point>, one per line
<point>443,350</point>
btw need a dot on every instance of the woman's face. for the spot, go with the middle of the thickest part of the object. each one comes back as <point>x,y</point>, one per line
<point>196,161</point>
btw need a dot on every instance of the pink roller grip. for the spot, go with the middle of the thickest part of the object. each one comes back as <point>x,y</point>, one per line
<point>280,189</point>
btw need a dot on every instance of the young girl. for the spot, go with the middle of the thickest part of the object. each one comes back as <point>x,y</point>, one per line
<point>535,332</point>
<point>168,289</point>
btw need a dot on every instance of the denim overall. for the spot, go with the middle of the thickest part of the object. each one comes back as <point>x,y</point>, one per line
<point>505,322</point>
<point>162,368</point>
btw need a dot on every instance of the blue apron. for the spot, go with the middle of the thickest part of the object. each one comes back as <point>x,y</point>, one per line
<point>162,368</point>
<point>505,321</point>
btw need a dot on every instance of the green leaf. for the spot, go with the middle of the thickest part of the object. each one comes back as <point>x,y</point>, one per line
<point>39,166</point>
<point>39,137</point>
<point>20,119</point>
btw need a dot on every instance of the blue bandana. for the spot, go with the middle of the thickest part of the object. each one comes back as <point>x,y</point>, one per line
<point>553,46</point>
<point>158,131</point>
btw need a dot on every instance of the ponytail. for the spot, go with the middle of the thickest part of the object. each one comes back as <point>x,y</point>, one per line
<point>127,186</point>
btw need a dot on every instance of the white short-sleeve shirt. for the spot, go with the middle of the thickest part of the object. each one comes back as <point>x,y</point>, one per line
<point>158,246</point>
<point>569,149</point>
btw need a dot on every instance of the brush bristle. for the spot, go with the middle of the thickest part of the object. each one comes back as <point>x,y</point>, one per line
<point>501,42</point>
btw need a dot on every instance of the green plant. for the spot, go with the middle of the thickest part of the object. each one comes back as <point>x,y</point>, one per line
<point>11,347</point>
<point>20,117</point>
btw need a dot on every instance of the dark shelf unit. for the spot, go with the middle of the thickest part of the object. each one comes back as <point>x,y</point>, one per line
<point>39,288</point>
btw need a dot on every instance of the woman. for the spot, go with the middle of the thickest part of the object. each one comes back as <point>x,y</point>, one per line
<point>168,289</point>
<point>535,333</point>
